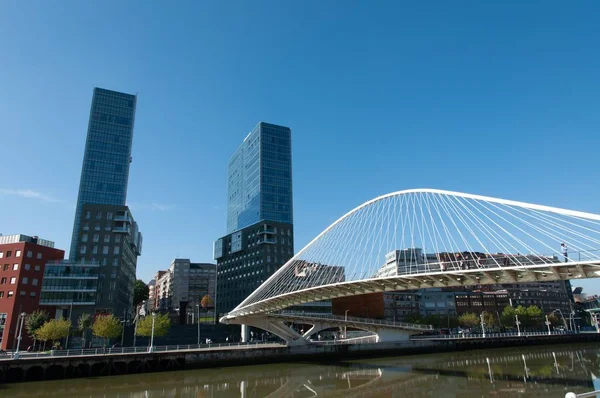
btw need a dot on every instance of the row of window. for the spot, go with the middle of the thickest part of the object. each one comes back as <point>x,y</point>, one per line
<point>105,250</point>
<point>24,280</point>
<point>11,293</point>
<point>96,237</point>
<point>29,254</point>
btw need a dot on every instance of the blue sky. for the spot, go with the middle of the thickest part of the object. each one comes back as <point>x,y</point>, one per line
<point>495,99</point>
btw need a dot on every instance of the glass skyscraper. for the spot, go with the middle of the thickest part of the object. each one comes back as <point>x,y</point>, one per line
<point>105,170</point>
<point>260,178</point>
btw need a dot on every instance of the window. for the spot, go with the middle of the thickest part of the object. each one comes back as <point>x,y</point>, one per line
<point>29,254</point>
<point>1,294</point>
<point>104,261</point>
<point>8,253</point>
<point>32,294</point>
<point>39,256</point>
<point>105,250</point>
<point>22,292</point>
<point>96,237</point>
<point>84,238</point>
<point>86,226</point>
<point>107,238</point>
<point>115,262</point>
<point>13,280</point>
<point>15,267</point>
<point>34,281</point>
<point>11,293</point>
<point>110,297</point>
<point>113,276</point>
<point>113,286</point>
<point>117,238</point>
<point>87,215</point>
<point>36,268</point>
<point>18,253</point>
<point>82,250</point>
<point>97,227</point>
<point>95,250</point>
<point>109,215</point>
<point>6,267</point>
<point>116,250</point>
<point>25,280</point>
<point>1,254</point>
<point>3,281</point>
<point>99,215</point>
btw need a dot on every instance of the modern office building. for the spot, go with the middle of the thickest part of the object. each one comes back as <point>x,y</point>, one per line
<point>260,235</point>
<point>104,231</point>
<point>107,155</point>
<point>22,265</point>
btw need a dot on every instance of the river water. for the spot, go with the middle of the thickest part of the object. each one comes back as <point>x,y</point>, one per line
<point>549,371</point>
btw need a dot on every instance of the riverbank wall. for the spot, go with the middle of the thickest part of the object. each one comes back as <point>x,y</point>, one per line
<point>51,368</point>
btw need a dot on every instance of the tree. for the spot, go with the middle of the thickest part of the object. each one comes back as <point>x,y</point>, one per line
<point>140,292</point>
<point>554,320</point>
<point>83,324</point>
<point>468,320</point>
<point>535,316</point>
<point>54,329</point>
<point>206,302</point>
<point>489,319</point>
<point>162,323</point>
<point>508,316</point>
<point>107,327</point>
<point>34,321</point>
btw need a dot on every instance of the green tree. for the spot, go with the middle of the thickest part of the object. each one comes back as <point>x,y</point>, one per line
<point>554,320</point>
<point>140,292</point>
<point>508,316</point>
<point>468,320</point>
<point>535,316</point>
<point>162,323</point>
<point>83,324</point>
<point>107,327</point>
<point>490,319</point>
<point>54,329</point>
<point>34,321</point>
<point>206,302</point>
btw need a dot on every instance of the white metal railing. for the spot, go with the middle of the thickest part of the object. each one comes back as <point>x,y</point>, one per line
<point>133,350</point>
<point>353,340</point>
<point>350,319</point>
<point>583,395</point>
<point>488,335</point>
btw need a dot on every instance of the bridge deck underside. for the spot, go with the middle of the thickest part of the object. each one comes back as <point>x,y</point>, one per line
<point>488,276</point>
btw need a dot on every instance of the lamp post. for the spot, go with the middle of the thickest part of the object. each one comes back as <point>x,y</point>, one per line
<point>562,316</point>
<point>346,326</point>
<point>198,305</point>
<point>68,334</point>
<point>548,324</point>
<point>151,348</point>
<point>482,325</point>
<point>16,356</point>
<point>517,323</point>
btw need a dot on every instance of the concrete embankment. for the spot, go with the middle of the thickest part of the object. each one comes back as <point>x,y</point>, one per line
<point>49,368</point>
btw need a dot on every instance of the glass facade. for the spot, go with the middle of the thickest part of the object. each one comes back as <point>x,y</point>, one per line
<point>260,178</point>
<point>105,170</point>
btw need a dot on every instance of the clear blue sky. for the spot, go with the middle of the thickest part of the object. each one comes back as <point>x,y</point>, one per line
<point>495,99</point>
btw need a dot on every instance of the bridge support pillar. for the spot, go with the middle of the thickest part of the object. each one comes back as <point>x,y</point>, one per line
<point>245,333</point>
<point>275,326</point>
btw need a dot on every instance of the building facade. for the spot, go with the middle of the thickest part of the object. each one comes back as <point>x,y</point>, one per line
<point>109,236</point>
<point>22,264</point>
<point>260,236</point>
<point>107,155</point>
<point>260,178</point>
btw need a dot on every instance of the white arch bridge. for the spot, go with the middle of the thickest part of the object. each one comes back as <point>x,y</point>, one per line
<point>423,238</point>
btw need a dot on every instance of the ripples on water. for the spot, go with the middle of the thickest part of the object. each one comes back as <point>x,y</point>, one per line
<point>536,372</point>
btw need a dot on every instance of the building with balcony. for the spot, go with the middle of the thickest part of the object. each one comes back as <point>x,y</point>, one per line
<point>109,237</point>
<point>259,214</point>
<point>22,266</point>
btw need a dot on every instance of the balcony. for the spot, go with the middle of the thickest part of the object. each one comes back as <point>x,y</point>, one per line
<point>65,289</point>
<point>266,240</point>
<point>267,230</point>
<point>66,302</point>
<point>122,230</point>
<point>122,218</point>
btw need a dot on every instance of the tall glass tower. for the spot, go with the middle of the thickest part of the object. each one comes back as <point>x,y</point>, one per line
<point>260,178</point>
<point>105,170</point>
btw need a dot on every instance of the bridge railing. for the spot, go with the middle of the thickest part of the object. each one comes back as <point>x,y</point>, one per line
<point>471,261</point>
<point>488,335</point>
<point>133,350</point>
<point>352,319</point>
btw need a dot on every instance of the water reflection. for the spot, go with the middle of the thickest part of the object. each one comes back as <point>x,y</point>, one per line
<point>540,371</point>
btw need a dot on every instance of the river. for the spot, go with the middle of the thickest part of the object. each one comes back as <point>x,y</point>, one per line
<point>549,371</point>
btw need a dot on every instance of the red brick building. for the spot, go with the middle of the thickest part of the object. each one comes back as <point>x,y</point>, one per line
<point>22,260</point>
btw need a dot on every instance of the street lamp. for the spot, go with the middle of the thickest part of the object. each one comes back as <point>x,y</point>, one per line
<point>151,348</point>
<point>482,324</point>
<point>517,323</point>
<point>346,326</point>
<point>198,305</point>
<point>16,356</point>
<point>562,316</point>
<point>548,324</point>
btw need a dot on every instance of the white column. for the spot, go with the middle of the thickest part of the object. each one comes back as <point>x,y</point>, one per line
<point>245,333</point>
